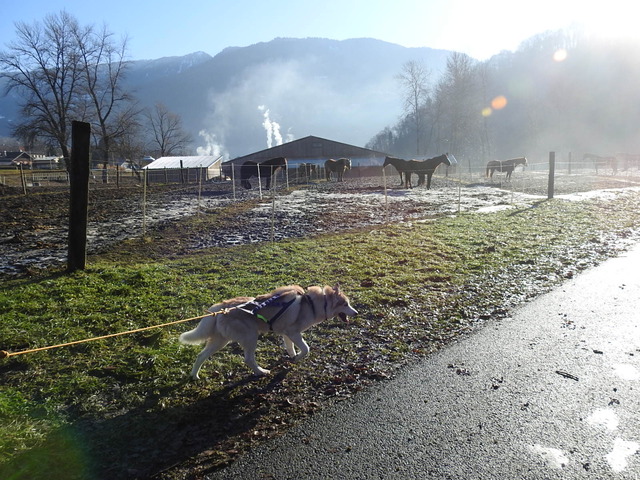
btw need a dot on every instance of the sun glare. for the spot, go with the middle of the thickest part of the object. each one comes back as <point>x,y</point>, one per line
<point>560,55</point>
<point>613,20</point>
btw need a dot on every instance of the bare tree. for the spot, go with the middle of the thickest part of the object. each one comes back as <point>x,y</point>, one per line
<point>166,128</point>
<point>414,81</point>
<point>42,65</point>
<point>110,109</point>
<point>458,90</point>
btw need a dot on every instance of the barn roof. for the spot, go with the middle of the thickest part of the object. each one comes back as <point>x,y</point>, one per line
<point>310,148</point>
<point>196,161</point>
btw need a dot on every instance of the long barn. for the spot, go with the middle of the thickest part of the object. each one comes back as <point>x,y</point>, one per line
<point>310,149</point>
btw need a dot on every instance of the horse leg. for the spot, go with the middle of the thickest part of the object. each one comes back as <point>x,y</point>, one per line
<point>429,181</point>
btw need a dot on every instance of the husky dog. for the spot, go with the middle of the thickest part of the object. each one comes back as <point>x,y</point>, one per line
<point>287,311</point>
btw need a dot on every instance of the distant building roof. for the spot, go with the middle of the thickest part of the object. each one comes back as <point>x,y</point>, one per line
<point>198,161</point>
<point>16,157</point>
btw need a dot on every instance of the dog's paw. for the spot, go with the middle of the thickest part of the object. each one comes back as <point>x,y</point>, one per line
<point>298,358</point>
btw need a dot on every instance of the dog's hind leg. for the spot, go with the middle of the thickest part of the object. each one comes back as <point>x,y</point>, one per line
<point>301,344</point>
<point>249,346</point>
<point>212,346</point>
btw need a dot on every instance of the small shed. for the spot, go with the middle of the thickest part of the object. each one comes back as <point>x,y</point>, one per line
<point>185,169</point>
<point>15,159</point>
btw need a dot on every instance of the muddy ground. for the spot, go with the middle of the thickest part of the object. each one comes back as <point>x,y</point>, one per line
<point>33,227</point>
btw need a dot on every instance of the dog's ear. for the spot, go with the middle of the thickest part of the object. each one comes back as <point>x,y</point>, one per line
<point>336,288</point>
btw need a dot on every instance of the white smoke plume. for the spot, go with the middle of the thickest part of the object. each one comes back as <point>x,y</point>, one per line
<point>272,128</point>
<point>212,147</point>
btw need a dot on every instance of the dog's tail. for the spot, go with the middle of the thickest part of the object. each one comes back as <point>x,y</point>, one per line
<point>201,333</point>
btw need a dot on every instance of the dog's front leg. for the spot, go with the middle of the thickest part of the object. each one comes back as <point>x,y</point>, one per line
<point>301,344</point>
<point>288,345</point>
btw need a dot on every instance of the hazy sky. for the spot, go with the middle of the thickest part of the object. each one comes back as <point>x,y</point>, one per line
<point>479,28</point>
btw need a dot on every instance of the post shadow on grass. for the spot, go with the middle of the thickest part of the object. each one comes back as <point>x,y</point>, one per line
<point>148,440</point>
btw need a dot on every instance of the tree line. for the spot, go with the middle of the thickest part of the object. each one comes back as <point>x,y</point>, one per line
<point>560,91</point>
<point>65,71</point>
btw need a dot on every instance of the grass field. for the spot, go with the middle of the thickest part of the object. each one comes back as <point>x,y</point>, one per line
<point>125,408</point>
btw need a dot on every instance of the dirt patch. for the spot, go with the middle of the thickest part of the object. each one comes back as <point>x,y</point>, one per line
<point>34,227</point>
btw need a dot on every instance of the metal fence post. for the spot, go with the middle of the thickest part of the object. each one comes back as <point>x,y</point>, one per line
<point>552,172</point>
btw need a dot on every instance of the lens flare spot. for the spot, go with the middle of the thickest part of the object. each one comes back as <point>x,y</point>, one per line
<point>487,111</point>
<point>499,102</point>
<point>560,55</point>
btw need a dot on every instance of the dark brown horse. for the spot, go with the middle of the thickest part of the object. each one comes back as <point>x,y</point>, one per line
<point>338,167</point>
<point>401,165</point>
<point>307,170</point>
<point>428,167</point>
<point>261,170</point>
<point>506,166</point>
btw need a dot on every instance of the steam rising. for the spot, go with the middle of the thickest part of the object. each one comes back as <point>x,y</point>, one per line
<point>272,128</point>
<point>290,100</point>
<point>212,147</point>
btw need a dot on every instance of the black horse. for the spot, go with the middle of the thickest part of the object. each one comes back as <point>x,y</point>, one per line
<point>400,164</point>
<point>338,167</point>
<point>307,170</point>
<point>506,166</point>
<point>428,167</point>
<point>261,170</point>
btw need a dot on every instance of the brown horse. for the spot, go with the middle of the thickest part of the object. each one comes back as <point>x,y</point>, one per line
<point>338,167</point>
<point>261,170</point>
<point>420,167</point>
<point>428,167</point>
<point>506,166</point>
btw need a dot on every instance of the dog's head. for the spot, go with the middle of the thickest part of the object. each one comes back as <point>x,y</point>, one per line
<point>338,303</point>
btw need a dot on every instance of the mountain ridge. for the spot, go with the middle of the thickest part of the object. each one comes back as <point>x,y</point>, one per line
<point>245,98</point>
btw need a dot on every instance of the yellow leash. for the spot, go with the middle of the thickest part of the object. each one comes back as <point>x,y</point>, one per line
<point>5,354</point>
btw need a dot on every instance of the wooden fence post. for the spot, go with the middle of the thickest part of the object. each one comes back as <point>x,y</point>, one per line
<point>552,172</point>
<point>79,195</point>
<point>22,179</point>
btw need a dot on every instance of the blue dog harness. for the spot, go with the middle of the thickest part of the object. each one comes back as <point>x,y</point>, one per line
<point>254,308</point>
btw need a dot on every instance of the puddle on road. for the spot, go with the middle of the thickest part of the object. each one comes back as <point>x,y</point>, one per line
<point>622,450</point>
<point>604,417</point>
<point>626,371</point>
<point>553,457</point>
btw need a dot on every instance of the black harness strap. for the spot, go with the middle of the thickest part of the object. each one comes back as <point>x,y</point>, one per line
<point>277,315</point>
<point>310,302</point>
